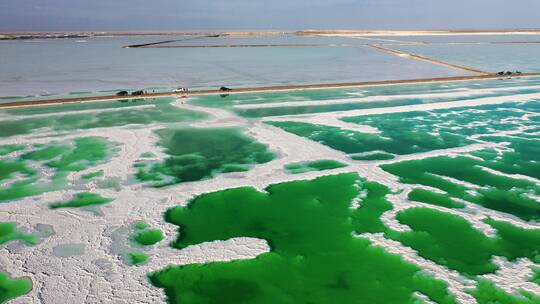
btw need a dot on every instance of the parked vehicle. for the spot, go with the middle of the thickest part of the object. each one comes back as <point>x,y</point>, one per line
<point>181,90</point>
<point>122,93</point>
<point>225,89</point>
<point>137,93</point>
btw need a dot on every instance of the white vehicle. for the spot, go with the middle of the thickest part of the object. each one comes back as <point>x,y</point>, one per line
<point>181,90</point>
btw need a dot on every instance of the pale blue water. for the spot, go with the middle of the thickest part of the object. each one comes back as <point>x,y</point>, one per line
<point>277,39</point>
<point>487,57</point>
<point>65,65</point>
<point>465,38</point>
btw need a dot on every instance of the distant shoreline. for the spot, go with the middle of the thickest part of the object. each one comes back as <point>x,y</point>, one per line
<point>366,33</point>
<point>254,90</point>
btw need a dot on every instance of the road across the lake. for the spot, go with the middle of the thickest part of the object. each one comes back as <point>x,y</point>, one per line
<point>255,90</point>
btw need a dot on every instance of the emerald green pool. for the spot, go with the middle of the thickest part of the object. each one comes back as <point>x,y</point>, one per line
<point>138,258</point>
<point>494,191</point>
<point>24,179</point>
<point>419,131</point>
<point>313,259</point>
<point>536,276</point>
<point>487,293</point>
<point>6,149</point>
<point>161,113</point>
<point>445,238</point>
<point>318,165</point>
<point>434,198</point>
<point>148,236</point>
<point>13,288</point>
<point>195,154</point>
<point>82,200</point>
<point>9,232</point>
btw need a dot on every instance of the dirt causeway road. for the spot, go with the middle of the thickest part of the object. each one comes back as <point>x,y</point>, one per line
<point>254,90</point>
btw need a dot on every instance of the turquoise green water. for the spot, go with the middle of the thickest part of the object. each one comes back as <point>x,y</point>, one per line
<point>449,239</point>
<point>515,242</point>
<point>319,165</point>
<point>536,276</point>
<point>497,192</point>
<point>522,158</point>
<point>357,142</point>
<point>9,232</point>
<point>6,149</point>
<point>434,198</point>
<point>161,113</point>
<point>356,105</point>
<point>367,217</point>
<point>196,154</point>
<point>443,123</point>
<point>138,258</point>
<point>140,225</point>
<point>73,107</point>
<point>487,293</point>
<point>297,110</point>
<point>23,180</point>
<point>313,259</point>
<point>326,94</point>
<point>93,174</point>
<point>441,237</point>
<point>82,200</point>
<point>84,153</point>
<point>13,288</point>
<point>397,95</point>
<point>415,132</point>
<point>145,235</point>
<point>445,238</point>
<point>372,156</point>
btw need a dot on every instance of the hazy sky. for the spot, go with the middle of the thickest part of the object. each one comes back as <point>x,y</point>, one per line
<point>49,15</point>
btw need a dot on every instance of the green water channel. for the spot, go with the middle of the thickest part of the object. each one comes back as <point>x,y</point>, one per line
<point>82,199</point>
<point>195,154</point>
<point>11,288</point>
<point>451,241</point>
<point>536,276</point>
<point>372,156</point>
<point>357,142</point>
<point>494,191</point>
<point>138,258</point>
<point>93,175</point>
<point>434,198</point>
<point>145,235</point>
<point>6,149</point>
<point>9,232</point>
<point>318,165</point>
<point>160,113</point>
<point>416,132</point>
<point>487,293</point>
<point>448,239</point>
<point>22,176</point>
<point>352,98</point>
<point>314,257</point>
